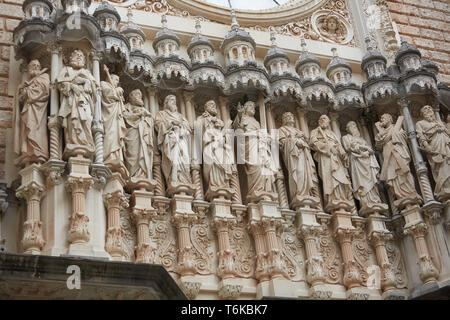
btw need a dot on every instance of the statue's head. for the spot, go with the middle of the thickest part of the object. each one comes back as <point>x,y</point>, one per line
<point>288,119</point>
<point>386,120</point>
<point>249,108</point>
<point>427,113</point>
<point>115,80</point>
<point>352,128</point>
<point>332,24</point>
<point>34,68</point>
<point>77,59</point>
<point>324,121</point>
<point>171,103</point>
<point>136,98</point>
<point>211,107</point>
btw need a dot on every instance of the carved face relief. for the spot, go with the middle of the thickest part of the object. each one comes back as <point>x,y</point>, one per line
<point>171,103</point>
<point>288,119</point>
<point>331,26</point>
<point>34,68</point>
<point>136,98</point>
<point>250,108</point>
<point>211,108</point>
<point>115,79</point>
<point>77,59</point>
<point>428,113</point>
<point>386,120</point>
<point>352,128</point>
<point>324,122</point>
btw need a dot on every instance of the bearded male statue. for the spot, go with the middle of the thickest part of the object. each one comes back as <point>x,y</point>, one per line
<point>296,154</point>
<point>364,170</point>
<point>30,117</point>
<point>139,141</point>
<point>333,161</point>
<point>434,138</point>
<point>217,153</point>
<point>77,88</point>
<point>395,171</point>
<point>173,139</point>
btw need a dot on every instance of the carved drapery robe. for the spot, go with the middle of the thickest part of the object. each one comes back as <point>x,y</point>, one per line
<point>174,142</point>
<point>77,88</point>
<point>217,153</point>
<point>395,171</point>
<point>437,136</point>
<point>364,169</point>
<point>139,144</point>
<point>30,119</point>
<point>299,162</point>
<point>259,165</point>
<point>115,129</point>
<point>332,167</point>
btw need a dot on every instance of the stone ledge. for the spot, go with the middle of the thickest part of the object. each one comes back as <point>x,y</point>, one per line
<point>432,291</point>
<point>99,279</point>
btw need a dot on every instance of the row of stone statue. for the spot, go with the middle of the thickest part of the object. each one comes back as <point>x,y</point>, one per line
<point>133,135</point>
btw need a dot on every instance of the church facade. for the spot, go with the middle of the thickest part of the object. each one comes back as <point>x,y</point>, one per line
<point>189,149</point>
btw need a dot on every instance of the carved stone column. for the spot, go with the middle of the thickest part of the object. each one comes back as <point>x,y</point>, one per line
<point>197,180</point>
<point>183,223</point>
<point>190,112</point>
<point>262,267</point>
<point>143,212</point>
<point>281,188</point>
<point>419,163</point>
<point>418,229</point>
<point>335,124</point>
<point>53,123</point>
<point>235,185</point>
<point>262,111</point>
<point>153,100</point>
<point>225,254</point>
<point>276,269</point>
<point>223,109</point>
<point>31,190</point>
<point>301,115</point>
<point>114,199</point>
<point>78,182</point>
<point>157,174</point>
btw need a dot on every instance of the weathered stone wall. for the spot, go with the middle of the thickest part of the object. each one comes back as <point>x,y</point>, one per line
<point>10,15</point>
<point>426,24</point>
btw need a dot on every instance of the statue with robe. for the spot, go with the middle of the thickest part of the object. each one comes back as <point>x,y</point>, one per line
<point>434,139</point>
<point>77,87</point>
<point>259,164</point>
<point>391,138</point>
<point>217,152</point>
<point>30,116</point>
<point>173,140</point>
<point>296,154</point>
<point>139,142</point>
<point>333,163</point>
<point>114,124</point>
<point>364,170</point>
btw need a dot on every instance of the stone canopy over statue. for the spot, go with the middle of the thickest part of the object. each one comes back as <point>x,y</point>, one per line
<point>299,162</point>
<point>217,152</point>
<point>259,164</point>
<point>30,117</point>
<point>434,138</point>
<point>395,171</point>
<point>77,88</point>
<point>332,160</point>
<point>173,139</point>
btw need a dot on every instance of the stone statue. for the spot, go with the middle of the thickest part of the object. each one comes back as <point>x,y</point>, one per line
<point>434,138</point>
<point>30,116</point>
<point>331,28</point>
<point>364,170</point>
<point>395,171</point>
<point>174,143</point>
<point>259,165</point>
<point>332,160</point>
<point>217,153</point>
<point>139,141</point>
<point>299,162</point>
<point>77,87</point>
<point>115,129</point>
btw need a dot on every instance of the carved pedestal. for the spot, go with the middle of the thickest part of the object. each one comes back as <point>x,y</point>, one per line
<point>78,183</point>
<point>114,199</point>
<point>417,228</point>
<point>143,212</point>
<point>31,190</point>
<point>309,229</point>
<point>344,231</point>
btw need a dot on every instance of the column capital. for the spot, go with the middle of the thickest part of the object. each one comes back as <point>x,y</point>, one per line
<point>334,116</point>
<point>96,55</point>
<point>403,102</point>
<point>152,91</point>
<point>188,96</point>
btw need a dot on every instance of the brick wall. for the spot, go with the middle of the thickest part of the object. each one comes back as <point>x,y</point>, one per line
<point>426,24</point>
<point>10,16</point>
